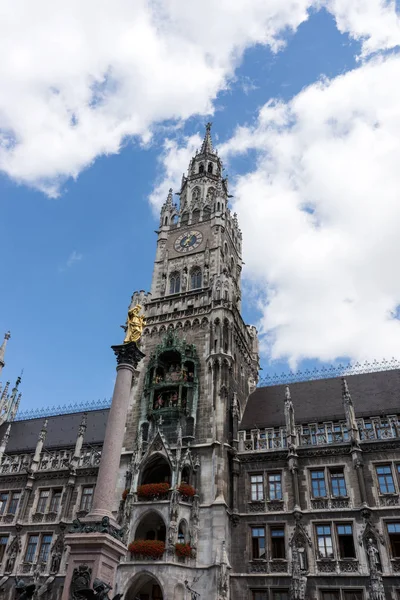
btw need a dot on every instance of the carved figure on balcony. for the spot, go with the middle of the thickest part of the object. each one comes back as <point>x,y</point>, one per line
<point>55,562</point>
<point>80,581</point>
<point>11,561</point>
<point>134,324</point>
<point>174,504</point>
<point>373,557</point>
<point>299,578</point>
<point>172,531</point>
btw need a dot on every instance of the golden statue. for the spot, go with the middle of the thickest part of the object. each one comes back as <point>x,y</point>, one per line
<point>134,324</point>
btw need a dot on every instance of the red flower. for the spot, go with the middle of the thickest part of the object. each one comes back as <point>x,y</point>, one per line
<point>187,490</point>
<point>150,548</point>
<point>183,550</point>
<point>125,494</point>
<point>149,490</point>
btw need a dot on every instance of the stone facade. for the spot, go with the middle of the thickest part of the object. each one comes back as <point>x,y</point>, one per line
<point>225,490</point>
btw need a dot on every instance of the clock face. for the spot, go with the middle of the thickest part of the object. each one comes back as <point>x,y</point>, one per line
<point>190,240</point>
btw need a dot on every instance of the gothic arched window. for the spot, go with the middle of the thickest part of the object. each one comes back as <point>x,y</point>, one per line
<point>195,216</point>
<point>201,169</point>
<point>206,213</point>
<point>195,278</point>
<point>175,283</point>
<point>210,168</point>
<point>185,218</point>
<point>166,221</point>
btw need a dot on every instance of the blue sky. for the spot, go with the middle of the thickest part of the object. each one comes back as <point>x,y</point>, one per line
<point>74,249</point>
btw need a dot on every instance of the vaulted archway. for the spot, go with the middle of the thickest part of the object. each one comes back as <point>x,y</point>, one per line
<point>145,586</point>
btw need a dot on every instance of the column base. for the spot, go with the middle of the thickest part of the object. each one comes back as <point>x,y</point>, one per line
<point>100,552</point>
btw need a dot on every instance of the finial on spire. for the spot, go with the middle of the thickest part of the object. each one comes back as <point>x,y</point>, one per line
<point>169,198</point>
<point>287,393</point>
<point>207,145</point>
<point>3,349</point>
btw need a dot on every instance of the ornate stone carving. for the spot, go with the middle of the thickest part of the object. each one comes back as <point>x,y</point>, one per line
<point>57,552</point>
<point>326,566</point>
<point>128,354</point>
<point>278,566</point>
<point>258,567</point>
<point>102,526</point>
<point>348,566</point>
<point>13,550</point>
<point>299,577</point>
<point>80,581</point>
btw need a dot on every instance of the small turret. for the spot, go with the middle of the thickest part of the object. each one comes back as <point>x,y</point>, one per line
<point>9,402</point>
<point>3,350</point>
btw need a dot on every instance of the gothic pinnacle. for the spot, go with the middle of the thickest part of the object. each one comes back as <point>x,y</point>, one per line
<point>345,390</point>
<point>3,349</point>
<point>287,393</point>
<point>207,145</point>
<point>169,198</point>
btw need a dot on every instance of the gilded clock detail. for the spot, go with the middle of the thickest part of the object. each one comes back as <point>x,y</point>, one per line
<point>190,240</point>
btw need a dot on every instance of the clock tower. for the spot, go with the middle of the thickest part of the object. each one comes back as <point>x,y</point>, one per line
<point>201,364</point>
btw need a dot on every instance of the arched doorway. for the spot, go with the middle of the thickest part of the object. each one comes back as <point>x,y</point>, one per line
<point>145,587</point>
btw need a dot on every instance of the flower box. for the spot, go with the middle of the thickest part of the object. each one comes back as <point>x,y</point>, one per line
<point>152,490</point>
<point>183,550</point>
<point>125,494</point>
<point>186,490</point>
<point>153,549</point>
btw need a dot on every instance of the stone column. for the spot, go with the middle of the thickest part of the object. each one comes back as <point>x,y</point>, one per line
<point>128,356</point>
<point>97,543</point>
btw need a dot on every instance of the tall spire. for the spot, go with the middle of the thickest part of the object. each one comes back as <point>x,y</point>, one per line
<point>207,145</point>
<point>3,349</point>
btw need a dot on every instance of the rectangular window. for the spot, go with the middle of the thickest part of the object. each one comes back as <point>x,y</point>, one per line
<point>352,595</point>
<point>259,595</point>
<point>55,501</point>
<point>3,546</point>
<point>280,595</point>
<point>42,502</point>
<point>385,479</point>
<point>86,500</point>
<point>394,537</point>
<point>278,542</point>
<point>338,483</point>
<point>330,594</point>
<point>257,487</point>
<point>12,507</point>
<point>324,540</point>
<point>31,548</point>
<point>274,486</point>
<point>3,502</point>
<point>318,485</point>
<point>258,542</point>
<point>45,548</point>
<point>346,541</point>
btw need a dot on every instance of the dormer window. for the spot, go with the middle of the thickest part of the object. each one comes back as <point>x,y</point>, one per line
<point>210,168</point>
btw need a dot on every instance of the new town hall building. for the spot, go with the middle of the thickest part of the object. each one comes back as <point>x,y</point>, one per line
<point>225,490</point>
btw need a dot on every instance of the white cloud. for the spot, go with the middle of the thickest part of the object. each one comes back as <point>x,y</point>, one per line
<point>79,77</point>
<point>320,216</point>
<point>73,258</point>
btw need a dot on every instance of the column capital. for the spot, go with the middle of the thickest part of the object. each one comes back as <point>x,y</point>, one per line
<point>128,354</point>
